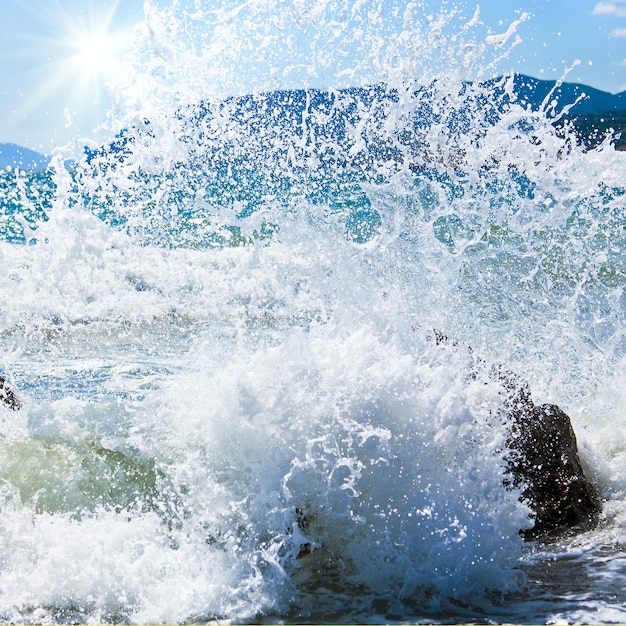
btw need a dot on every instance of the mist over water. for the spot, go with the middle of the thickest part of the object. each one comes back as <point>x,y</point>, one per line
<point>222,324</point>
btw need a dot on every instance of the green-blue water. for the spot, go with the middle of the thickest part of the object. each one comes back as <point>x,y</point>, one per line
<point>221,323</point>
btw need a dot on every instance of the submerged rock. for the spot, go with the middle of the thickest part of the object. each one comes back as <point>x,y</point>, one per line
<point>8,396</point>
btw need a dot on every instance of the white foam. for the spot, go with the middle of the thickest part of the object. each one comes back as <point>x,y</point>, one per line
<point>279,424</point>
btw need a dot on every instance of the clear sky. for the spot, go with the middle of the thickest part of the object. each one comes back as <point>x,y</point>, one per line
<point>57,55</point>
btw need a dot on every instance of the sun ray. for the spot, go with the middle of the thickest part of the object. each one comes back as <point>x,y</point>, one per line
<point>94,49</point>
<point>77,53</point>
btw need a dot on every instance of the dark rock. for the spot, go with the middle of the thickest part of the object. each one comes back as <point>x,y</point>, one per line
<point>8,396</point>
<point>542,459</point>
<point>541,456</point>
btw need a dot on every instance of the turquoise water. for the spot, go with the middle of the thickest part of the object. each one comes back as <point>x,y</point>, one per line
<point>222,326</point>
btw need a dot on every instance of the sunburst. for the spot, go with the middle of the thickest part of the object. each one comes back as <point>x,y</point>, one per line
<point>95,54</point>
<point>77,58</point>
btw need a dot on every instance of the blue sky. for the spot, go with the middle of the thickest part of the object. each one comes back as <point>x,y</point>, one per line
<point>57,55</point>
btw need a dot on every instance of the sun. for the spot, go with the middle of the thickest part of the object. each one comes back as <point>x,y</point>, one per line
<point>96,54</point>
<point>92,50</point>
<point>76,50</point>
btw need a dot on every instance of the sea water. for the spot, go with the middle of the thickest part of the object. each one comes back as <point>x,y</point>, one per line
<point>222,322</point>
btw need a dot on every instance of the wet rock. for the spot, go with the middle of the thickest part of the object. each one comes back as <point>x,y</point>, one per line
<point>541,456</point>
<point>543,460</point>
<point>8,396</point>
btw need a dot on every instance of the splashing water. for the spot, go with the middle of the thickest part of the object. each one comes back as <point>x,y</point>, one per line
<point>222,324</point>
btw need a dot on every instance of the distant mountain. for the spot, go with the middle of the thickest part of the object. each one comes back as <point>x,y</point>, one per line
<point>594,115</point>
<point>592,128</point>
<point>533,92</point>
<point>592,112</point>
<point>12,155</point>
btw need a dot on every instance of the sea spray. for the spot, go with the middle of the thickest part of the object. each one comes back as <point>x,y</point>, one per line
<point>223,329</point>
